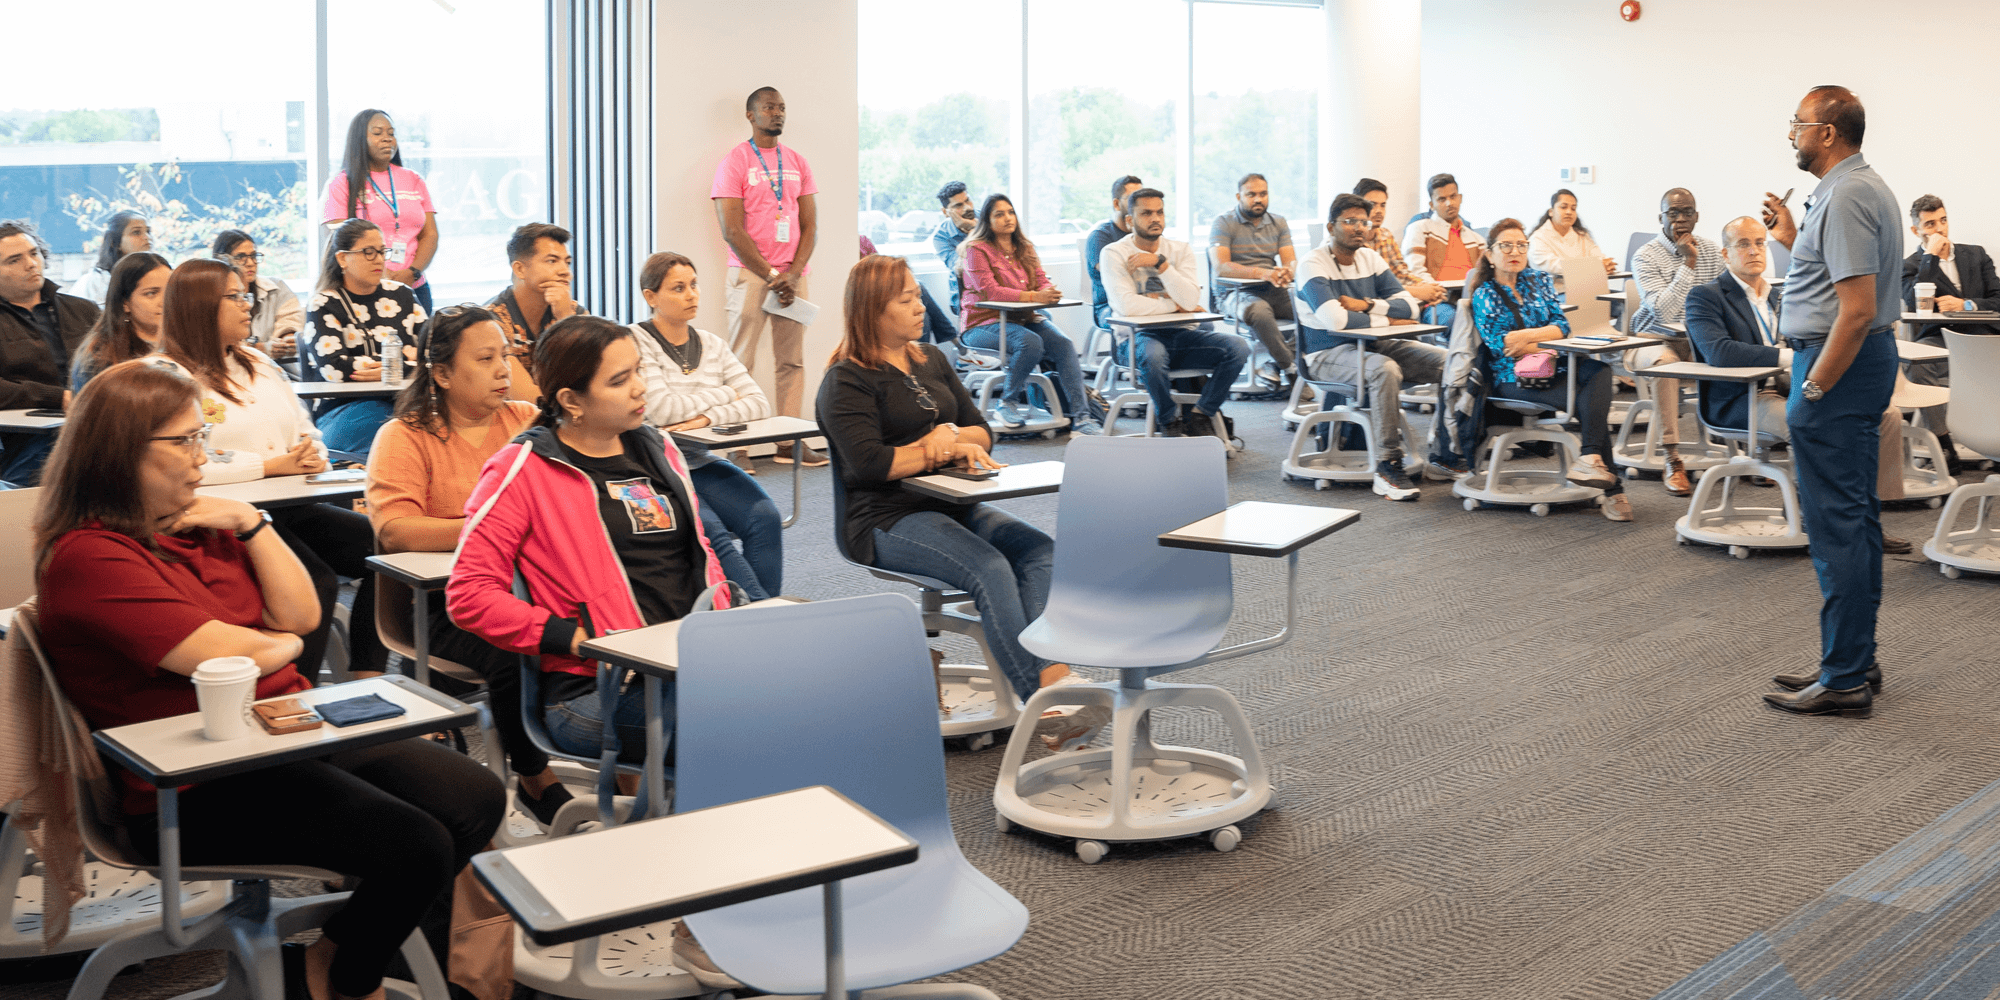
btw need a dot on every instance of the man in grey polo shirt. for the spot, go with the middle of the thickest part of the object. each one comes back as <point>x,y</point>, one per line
<point>1249,243</point>
<point>1843,298</point>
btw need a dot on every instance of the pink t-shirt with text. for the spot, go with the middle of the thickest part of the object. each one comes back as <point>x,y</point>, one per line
<point>739,175</point>
<point>400,214</point>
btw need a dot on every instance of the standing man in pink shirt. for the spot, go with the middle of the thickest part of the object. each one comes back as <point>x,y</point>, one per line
<point>763,197</point>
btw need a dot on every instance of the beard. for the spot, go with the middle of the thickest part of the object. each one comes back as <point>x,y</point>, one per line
<point>1804,160</point>
<point>1257,212</point>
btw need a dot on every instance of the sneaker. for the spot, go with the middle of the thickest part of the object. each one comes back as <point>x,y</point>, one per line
<point>545,808</point>
<point>1440,472</point>
<point>1009,414</point>
<point>1170,427</point>
<point>1307,395</point>
<point>807,457</point>
<point>690,957</point>
<point>1616,507</point>
<point>1198,424</point>
<point>1270,374</point>
<point>1071,727</point>
<point>1085,426</point>
<point>1392,482</point>
<point>742,460</point>
<point>1590,471</point>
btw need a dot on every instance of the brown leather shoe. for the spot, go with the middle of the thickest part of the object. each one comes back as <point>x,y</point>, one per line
<point>1794,682</point>
<point>1815,700</point>
<point>1676,479</point>
<point>1891,545</point>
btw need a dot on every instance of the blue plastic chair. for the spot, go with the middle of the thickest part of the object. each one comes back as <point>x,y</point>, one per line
<point>858,715</point>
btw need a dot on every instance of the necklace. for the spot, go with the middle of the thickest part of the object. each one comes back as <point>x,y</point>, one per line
<point>687,355</point>
<point>687,366</point>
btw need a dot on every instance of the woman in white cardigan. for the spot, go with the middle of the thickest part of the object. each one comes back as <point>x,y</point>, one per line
<point>257,428</point>
<point>1561,233</point>
<point>693,380</point>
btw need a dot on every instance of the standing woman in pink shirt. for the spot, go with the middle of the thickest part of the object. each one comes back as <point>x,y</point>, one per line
<point>391,196</point>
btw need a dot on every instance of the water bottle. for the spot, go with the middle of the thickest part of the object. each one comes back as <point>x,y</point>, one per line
<point>392,358</point>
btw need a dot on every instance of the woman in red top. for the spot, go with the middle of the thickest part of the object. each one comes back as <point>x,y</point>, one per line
<point>140,580</point>
<point>1002,266</point>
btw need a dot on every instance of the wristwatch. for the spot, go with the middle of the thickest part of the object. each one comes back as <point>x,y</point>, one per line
<point>263,519</point>
<point>774,274</point>
<point>1811,390</point>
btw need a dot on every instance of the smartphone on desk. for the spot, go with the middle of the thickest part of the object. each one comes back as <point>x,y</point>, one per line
<point>46,413</point>
<point>338,476</point>
<point>730,428</point>
<point>975,475</point>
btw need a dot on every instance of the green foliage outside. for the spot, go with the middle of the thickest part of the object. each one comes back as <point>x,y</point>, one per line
<point>185,228</point>
<point>82,125</point>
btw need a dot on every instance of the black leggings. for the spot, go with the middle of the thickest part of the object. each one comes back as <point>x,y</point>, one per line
<point>403,817</point>
<point>502,671</point>
<point>333,542</point>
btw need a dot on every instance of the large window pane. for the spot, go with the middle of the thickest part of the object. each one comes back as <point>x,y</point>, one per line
<point>217,142</point>
<point>471,117</point>
<point>938,84</point>
<point>1105,78</point>
<point>1256,107</point>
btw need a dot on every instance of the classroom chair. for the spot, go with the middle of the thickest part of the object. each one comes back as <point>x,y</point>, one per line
<point>1975,424</point>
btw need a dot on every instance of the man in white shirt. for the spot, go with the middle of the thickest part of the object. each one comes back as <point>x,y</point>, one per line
<point>1146,274</point>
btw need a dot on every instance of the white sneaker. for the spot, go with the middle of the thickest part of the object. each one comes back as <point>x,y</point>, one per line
<point>1070,727</point>
<point>1590,471</point>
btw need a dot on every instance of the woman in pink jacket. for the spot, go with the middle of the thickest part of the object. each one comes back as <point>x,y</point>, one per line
<point>596,512</point>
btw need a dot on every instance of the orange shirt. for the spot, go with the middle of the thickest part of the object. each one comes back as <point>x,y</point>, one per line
<point>1455,262</point>
<point>413,473</point>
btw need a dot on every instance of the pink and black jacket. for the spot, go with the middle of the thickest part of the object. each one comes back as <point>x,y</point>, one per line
<point>535,513</point>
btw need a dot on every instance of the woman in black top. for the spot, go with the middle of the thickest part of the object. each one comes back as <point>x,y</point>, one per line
<point>892,407</point>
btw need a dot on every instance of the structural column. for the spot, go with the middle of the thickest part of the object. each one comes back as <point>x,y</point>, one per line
<point>1369,101</point>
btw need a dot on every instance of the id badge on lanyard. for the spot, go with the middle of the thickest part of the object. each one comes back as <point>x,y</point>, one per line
<point>782,228</point>
<point>783,231</point>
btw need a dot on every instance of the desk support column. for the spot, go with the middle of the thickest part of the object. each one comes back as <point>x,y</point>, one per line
<point>169,799</point>
<point>836,959</point>
<point>420,623</point>
<point>798,463</point>
<point>656,730</point>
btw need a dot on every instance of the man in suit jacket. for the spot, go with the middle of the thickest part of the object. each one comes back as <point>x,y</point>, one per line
<point>40,330</point>
<point>1964,277</point>
<point>1732,322</point>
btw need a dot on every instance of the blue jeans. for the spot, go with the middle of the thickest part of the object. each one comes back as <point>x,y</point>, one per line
<point>1835,442</point>
<point>22,457</point>
<point>1029,344</point>
<point>351,426</point>
<point>1161,351</point>
<point>1441,315</point>
<point>735,510</point>
<point>1002,561</point>
<point>577,725</point>
<point>1593,402</point>
<point>423,294</point>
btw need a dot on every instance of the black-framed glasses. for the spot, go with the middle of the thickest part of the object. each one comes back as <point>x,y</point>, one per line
<point>194,443</point>
<point>369,253</point>
<point>923,395</point>
<point>1679,213</point>
<point>242,258</point>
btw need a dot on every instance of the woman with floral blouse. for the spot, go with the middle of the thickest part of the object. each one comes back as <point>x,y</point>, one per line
<point>355,309</point>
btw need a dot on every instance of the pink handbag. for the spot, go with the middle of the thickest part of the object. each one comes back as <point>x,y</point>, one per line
<point>1536,371</point>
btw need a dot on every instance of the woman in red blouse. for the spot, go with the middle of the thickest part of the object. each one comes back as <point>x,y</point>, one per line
<point>140,580</point>
<point>1002,266</point>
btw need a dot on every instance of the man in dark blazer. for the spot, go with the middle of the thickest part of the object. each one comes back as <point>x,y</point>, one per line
<point>1965,279</point>
<point>1733,323</point>
<point>40,329</point>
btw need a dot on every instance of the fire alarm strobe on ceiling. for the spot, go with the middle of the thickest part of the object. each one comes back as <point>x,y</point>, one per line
<point>1629,10</point>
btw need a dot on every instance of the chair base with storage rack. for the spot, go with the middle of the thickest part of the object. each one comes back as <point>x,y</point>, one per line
<point>1716,514</point>
<point>115,901</point>
<point>1118,381</point>
<point>1496,482</point>
<point>1975,549</point>
<point>1926,474</point>
<point>1975,423</point>
<point>986,382</point>
<point>1333,463</point>
<point>1648,453</point>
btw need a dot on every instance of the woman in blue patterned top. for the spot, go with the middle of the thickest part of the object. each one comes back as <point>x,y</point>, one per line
<point>1515,308</point>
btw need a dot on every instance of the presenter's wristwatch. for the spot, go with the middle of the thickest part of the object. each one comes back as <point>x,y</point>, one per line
<point>1811,390</point>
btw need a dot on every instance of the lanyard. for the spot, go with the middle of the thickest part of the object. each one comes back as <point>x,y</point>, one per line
<point>1763,327</point>
<point>778,186</point>
<point>395,213</point>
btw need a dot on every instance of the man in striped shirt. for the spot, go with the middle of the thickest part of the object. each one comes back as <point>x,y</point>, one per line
<point>1667,269</point>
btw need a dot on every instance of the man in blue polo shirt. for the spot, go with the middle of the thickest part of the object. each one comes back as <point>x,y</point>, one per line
<point>1843,298</point>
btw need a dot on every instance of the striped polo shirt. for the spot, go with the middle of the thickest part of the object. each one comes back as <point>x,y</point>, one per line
<point>1250,243</point>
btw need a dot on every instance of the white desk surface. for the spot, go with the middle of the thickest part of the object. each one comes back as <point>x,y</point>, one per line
<point>18,421</point>
<point>1948,319</point>
<point>1611,297</point>
<point>1619,274</point>
<point>1168,319</point>
<point>1255,527</point>
<point>762,431</point>
<point>345,390</point>
<point>286,491</point>
<point>1596,346</point>
<point>174,749</point>
<point>1910,350</point>
<point>595,883</point>
<point>655,648</point>
<point>1711,373</point>
<point>1408,331</point>
<point>1025,480</point>
<point>1455,284</point>
<point>997,306</point>
<point>415,568</point>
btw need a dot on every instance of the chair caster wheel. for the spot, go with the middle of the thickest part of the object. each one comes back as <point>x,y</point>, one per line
<point>1950,572</point>
<point>1092,851</point>
<point>1934,502</point>
<point>1425,408</point>
<point>1539,510</point>
<point>1739,552</point>
<point>1680,541</point>
<point>1225,839</point>
<point>1471,504</point>
<point>1321,484</point>
<point>1048,435</point>
<point>1002,823</point>
<point>976,742</point>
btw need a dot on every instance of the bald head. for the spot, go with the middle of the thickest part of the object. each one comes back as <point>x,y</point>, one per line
<point>1744,249</point>
<point>1840,108</point>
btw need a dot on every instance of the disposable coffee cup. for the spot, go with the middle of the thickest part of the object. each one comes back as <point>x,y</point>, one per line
<point>224,688</point>
<point>1926,296</point>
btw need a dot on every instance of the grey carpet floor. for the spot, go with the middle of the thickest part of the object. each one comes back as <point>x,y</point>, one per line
<point>1516,758</point>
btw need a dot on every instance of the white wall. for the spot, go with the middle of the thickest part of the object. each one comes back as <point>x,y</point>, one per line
<point>1696,94</point>
<point>709,57</point>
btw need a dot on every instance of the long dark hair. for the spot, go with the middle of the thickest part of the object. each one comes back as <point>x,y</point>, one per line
<point>187,326</point>
<point>1544,220</point>
<point>1482,272</point>
<point>113,246</point>
<point>566,357</point>
<point>982,232</point>
<point>344,238</point>
<point>355,161</point>
<point>419,403</point>
<point>93,474</point>
<point>113,338</point>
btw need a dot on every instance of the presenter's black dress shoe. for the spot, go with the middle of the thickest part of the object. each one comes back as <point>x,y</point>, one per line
<point>1891,545</point>
<point>1793,682</point>
<point>1856,702</point>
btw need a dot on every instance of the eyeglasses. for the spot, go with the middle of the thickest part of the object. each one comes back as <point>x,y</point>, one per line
<point>923,395</point>
<point>369,253</point>
<point>1511,247</point>
<point>1792,127</point>
<point>242,258</point>
<point>194,443</point>
<point>1352,223</point>
<point>1757,245</point>
<point>1680,213</point>
<point>240,298</point>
